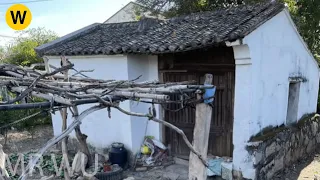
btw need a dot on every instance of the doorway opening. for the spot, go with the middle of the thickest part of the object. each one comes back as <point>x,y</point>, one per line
<point>293,103</point>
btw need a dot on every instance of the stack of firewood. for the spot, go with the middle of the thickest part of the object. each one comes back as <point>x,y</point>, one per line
<point>61,91</point>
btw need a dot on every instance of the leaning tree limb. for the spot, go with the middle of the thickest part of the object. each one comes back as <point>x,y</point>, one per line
<point>77,121</point>
<point>52,86</point>
<point>179,131</point>
<point>82,138</point>
<point>152,117</point>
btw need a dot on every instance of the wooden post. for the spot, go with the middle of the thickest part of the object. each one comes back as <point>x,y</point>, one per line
<point>64,115</point>
<point>81,137</point>
<point>63,112</point>
<point>197,170</point>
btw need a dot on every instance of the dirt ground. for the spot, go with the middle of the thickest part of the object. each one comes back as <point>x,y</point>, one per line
<point>306,169</point>
<point>22,142</point>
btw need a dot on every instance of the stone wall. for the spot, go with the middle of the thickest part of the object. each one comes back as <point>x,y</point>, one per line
<point>284,146</point>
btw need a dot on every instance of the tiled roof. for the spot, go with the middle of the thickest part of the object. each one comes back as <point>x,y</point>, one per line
<point>178,34</point>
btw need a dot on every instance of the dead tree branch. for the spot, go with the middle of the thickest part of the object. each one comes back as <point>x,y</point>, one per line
<point>169,125</point>
<point>63,91</point>
<point>82,138</point>
<point>77,121</point>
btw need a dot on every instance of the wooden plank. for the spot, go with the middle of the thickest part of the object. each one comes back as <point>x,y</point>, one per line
<point>186,119</point>
<point>197,170</point>
<point>197,64</point>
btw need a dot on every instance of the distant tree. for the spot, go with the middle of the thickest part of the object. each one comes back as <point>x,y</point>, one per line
<point>307,17</point>
<point>2,53</point>
<point>5,116</point>
<point>305,13</point>
<point>10,116</point>
<point>22,50</point>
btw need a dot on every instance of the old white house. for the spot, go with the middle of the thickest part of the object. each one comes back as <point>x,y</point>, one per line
<point>125,14</point>
<point>263,70</point>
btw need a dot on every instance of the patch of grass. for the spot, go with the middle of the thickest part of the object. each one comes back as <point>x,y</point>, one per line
<point>267,133</point>
<point>304,119</point>
<point>271,131</point>
<point>47,163</point>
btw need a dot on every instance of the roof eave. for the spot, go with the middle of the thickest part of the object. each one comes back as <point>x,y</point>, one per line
<point>41,48</point>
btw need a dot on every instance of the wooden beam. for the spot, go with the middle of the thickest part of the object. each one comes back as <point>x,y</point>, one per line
<point>48,97</point>
<point>198,170</point>
<point>39,105</point>
<point>131,94</point>
<point>46,105</point>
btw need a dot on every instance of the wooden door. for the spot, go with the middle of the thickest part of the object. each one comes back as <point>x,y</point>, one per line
<point>220,140</point>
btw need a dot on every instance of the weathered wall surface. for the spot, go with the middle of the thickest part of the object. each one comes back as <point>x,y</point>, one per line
<point>147,66</point>
<point>284,148</point>
<point>102,130</point>
<point>126,14</point>
<point>269,56</point>
<point>277,54</point>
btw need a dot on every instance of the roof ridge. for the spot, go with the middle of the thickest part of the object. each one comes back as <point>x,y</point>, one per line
<point>117,23</point>
<point>183,33</point>
<point>266,6</point>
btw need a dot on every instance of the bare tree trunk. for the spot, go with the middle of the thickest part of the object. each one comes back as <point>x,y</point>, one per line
<point>58,138</point>
<point>64,141</point>
<point>5,136</point>
<point>64,115</point>
<point>109,93</point>
<point>82,138</point>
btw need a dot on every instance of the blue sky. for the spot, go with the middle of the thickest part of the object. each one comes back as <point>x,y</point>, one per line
<point>62,16</point>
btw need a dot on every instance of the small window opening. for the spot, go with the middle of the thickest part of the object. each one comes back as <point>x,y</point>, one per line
<point>293,103</point>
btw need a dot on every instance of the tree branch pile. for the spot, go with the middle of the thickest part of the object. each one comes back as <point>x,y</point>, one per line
<point>61,92</point>
<point>53,88</point>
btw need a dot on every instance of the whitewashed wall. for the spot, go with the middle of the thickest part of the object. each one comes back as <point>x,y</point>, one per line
<point>276,52</point>
<point>101,130</point>
<point>147,66</point>
<point>126,14</point>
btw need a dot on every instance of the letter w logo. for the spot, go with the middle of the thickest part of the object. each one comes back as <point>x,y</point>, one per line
<point>18,16</point>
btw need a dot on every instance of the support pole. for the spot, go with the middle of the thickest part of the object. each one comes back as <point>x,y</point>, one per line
<point>197,170</point>
<point>64,115</point>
